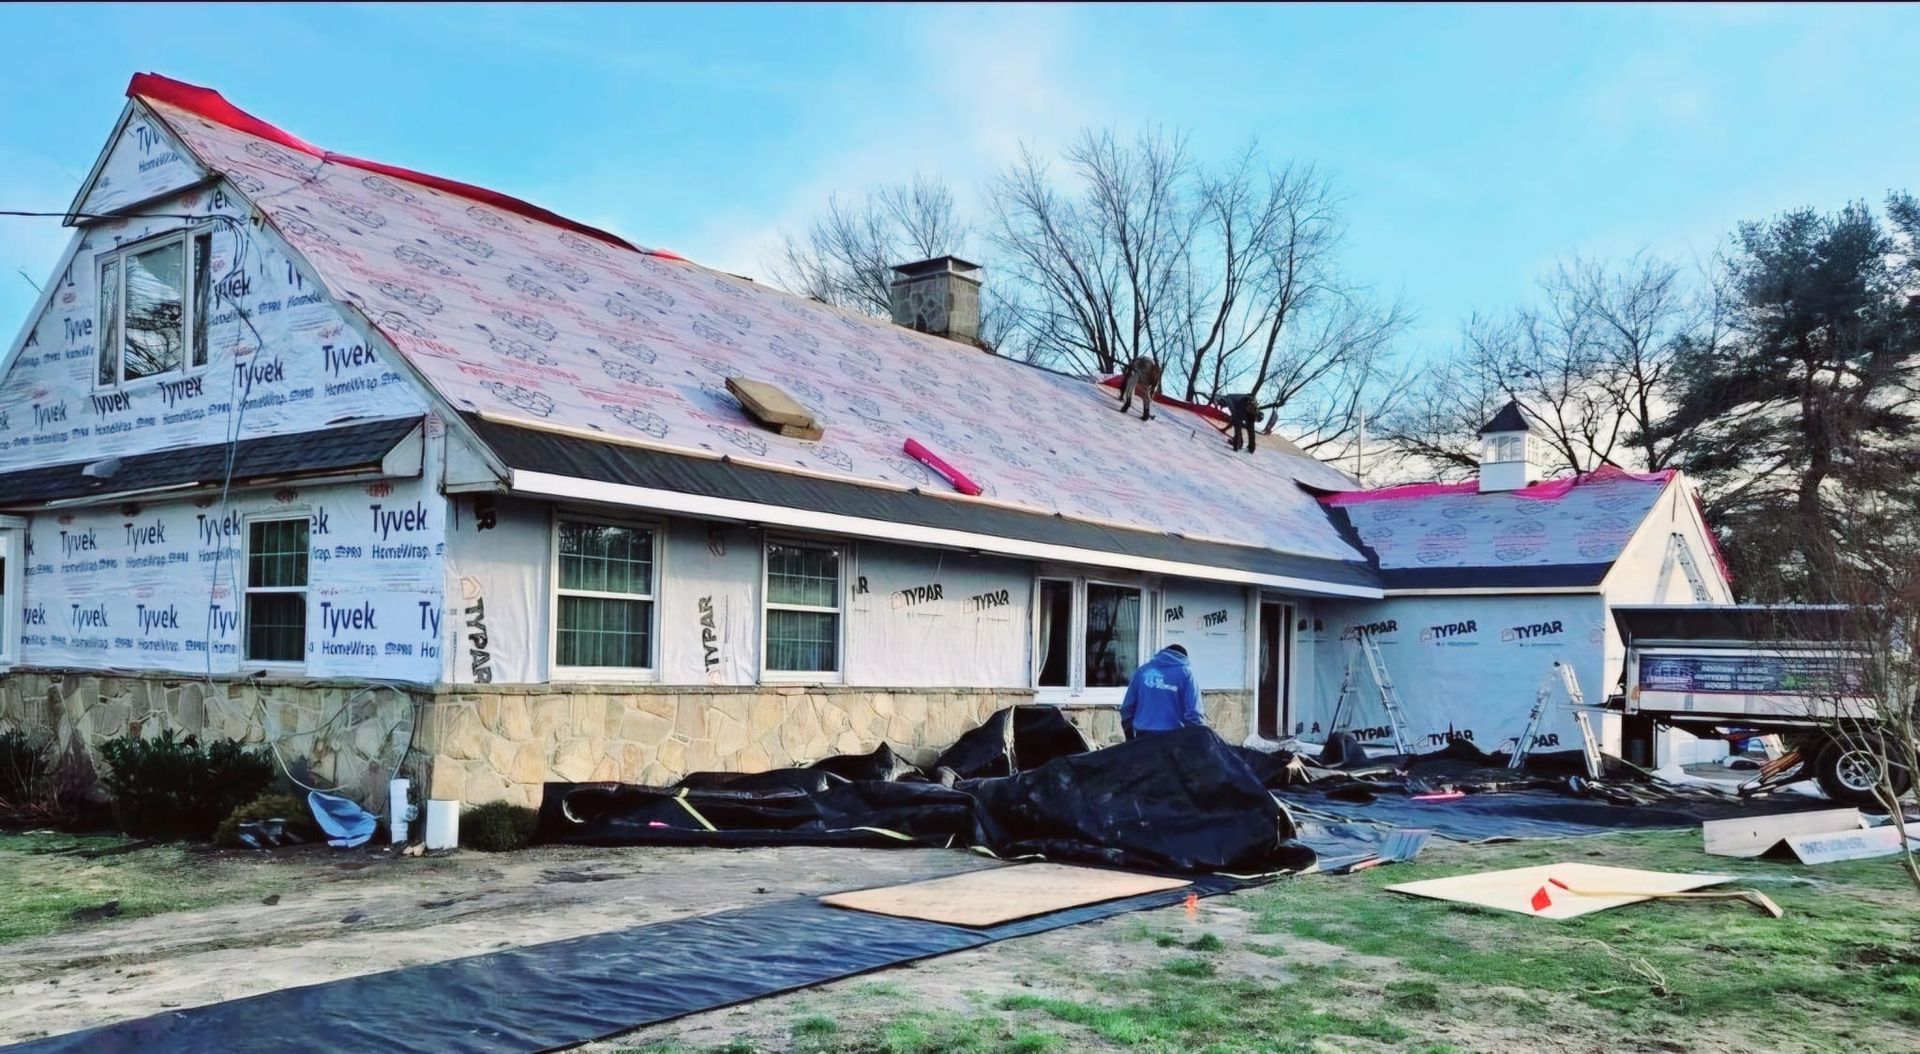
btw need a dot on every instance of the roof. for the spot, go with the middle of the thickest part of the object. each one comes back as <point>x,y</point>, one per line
<point>527,318</point>
<point>362,446</point>
<point>529,450</point>
<point>1509,419</point>
<point>1565,533</point>
<point>1735,623</point>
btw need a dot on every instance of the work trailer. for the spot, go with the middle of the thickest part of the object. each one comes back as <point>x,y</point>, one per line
<point>1736,671</point>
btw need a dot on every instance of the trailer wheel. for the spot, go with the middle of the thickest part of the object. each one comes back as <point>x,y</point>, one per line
<point>1851,774</point>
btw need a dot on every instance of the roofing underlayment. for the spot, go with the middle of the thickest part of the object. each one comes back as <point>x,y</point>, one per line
<point>1562,532</point>
<point>524,317</point>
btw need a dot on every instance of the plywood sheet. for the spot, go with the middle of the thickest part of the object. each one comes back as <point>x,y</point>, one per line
<point>1001,894</point>
<point>1558,891</point>
<point>768,403</point>
<point>1754,835</point>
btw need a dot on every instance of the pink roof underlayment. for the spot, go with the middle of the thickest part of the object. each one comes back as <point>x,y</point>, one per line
<point>522,316</point>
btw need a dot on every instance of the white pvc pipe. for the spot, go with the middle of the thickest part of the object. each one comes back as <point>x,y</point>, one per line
<point>398,809</point>
<point>443,824</point>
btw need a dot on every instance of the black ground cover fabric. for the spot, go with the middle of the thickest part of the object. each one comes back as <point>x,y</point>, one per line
<point>1179,802</point>
<point>561,994</point>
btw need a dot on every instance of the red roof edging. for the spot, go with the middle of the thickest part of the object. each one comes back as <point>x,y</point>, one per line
<point>211,105</point>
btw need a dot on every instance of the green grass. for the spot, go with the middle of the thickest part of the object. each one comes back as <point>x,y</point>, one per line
<point>1845,950</point>
<point>1840,972</point>
<point>41,891</point>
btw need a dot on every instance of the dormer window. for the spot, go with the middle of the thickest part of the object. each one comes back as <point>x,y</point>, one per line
<point>155,299</point>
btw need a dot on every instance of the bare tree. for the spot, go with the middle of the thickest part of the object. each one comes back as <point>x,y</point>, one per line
<point>848,255</point>
<point>1864,746</point>
<point>1227,276</point>
<point>1590,361</point>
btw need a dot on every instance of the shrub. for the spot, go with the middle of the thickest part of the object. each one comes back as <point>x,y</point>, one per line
<point>498,827</point>
<point>26,766</point>
<point>273,805</point>
<point>175,788</point>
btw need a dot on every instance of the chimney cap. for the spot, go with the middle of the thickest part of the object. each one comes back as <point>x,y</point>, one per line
<point>1509,419</point>
<point>921,268</point>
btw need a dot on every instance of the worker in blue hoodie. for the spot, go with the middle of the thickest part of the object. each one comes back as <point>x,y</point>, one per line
<point>1162,696</point>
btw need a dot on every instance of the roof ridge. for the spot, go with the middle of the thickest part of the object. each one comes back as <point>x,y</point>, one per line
<point>211,105</point>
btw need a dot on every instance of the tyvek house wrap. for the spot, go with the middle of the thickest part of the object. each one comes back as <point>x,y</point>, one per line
<point>529,321</point>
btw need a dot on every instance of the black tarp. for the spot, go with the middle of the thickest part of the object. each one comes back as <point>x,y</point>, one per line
<point>1180,802</point>
<point>564,993</point>
<point>1013,740</point>
<point>1174,801</point>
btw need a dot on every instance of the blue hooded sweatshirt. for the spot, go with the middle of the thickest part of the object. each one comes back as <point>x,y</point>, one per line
<point>1162,695</point>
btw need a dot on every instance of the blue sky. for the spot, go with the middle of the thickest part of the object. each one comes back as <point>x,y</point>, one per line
<point>1475,145</point>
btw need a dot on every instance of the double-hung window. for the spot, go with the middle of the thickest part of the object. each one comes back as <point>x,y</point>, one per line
<point>1087,635</point>
<point>803,608</point>
<point>156,297</point>
<point>603,610</point>
<point>276,590</point>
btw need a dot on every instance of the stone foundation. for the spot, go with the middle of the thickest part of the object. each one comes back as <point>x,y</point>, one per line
<point>330,734</point>
<point>503,742</point>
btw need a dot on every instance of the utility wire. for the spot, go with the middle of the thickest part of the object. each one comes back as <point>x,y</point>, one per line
<point>236,422</point>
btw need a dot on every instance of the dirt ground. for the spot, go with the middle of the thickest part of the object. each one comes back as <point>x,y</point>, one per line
<point>352,913</point>
<point>1305,965</point>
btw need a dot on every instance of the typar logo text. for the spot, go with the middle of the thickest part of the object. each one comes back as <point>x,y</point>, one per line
<point>1462,632</point>
<point>1549,632</point>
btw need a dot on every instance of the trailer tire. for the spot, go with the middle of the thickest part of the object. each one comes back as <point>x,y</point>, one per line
<point>1850,774</point>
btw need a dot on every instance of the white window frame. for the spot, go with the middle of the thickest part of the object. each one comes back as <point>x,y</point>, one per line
<point>656,533</point>
<point>13,548</point>
<point>244,629</point>
<point>842,554</point>
<point>1073,634</point>
<point>185,236</point>
<point>1077,690</point>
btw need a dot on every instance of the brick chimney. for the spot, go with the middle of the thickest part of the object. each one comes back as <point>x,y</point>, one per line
<point>940,296</point>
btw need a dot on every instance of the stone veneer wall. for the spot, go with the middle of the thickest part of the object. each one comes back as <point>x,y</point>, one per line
<point>480,743</point>
<point>332,733</point>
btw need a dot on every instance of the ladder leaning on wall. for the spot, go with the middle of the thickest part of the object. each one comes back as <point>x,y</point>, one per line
<point>1576,705</point>
<point>1383,685</point>
<point>1679,554</point>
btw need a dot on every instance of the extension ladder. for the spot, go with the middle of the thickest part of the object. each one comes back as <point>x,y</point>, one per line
<point>1678,553</point>
<point>1576,705</point>
<point>1383,683</point>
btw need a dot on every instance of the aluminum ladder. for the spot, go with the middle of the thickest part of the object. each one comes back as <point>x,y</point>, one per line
<point>1383,683</point>
<point>1576,705</point>
<point>1678,553</point>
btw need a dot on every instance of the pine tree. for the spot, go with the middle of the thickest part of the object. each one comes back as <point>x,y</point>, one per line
<point>1810,398</point>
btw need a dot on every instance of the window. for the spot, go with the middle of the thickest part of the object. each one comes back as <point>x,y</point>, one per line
<point>1055,623</point>
<point>1087,635</point>
<point>155,299</point>
<point>276,599</point>
<point>803,608</point>
<point>12,601</point>
<point>604,596</point>
<point>1113,635</point>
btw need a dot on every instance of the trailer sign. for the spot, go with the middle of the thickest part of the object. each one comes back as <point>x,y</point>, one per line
<point>1820,676</point>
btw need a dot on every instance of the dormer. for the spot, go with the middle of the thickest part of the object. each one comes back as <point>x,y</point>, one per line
<point>1506,451</point>
<point>141,161</point>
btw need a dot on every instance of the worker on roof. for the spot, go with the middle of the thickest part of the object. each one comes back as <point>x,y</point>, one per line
<point>1163,696</point>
